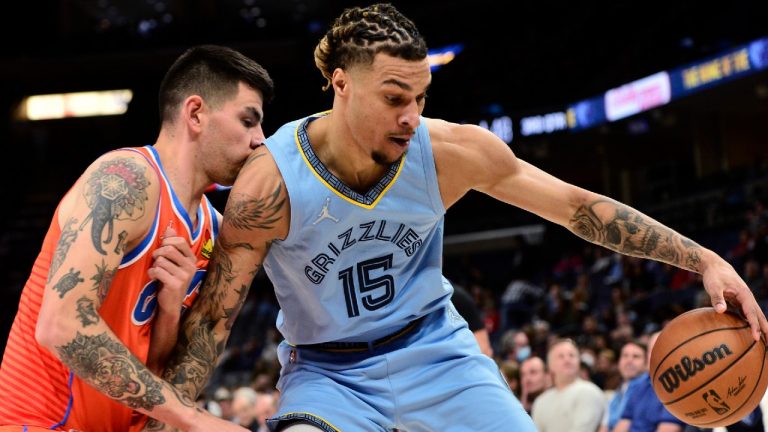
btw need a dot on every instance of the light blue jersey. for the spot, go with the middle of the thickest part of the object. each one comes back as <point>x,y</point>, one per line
<point>367,268</point>
<point>356,267</point>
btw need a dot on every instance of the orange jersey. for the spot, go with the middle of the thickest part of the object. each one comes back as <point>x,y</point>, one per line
<point>35,387</point>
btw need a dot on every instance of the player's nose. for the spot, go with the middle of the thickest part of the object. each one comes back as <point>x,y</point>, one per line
<point>409,118</point>
<point>257,138</point>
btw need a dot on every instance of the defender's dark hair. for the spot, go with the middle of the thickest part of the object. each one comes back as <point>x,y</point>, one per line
<point>361,33</point>
<point>213,72</point>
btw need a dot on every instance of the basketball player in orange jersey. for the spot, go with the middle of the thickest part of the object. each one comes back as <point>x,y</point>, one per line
<point>126,251</point>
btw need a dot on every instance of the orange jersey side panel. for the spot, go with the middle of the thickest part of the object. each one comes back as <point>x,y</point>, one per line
<point>128,309</point>
<point>34,387</point>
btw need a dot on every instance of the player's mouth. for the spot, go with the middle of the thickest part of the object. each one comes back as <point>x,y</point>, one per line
<point>401,141</point>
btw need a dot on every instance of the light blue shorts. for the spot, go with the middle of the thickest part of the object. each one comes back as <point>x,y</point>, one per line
<point>431,379</point>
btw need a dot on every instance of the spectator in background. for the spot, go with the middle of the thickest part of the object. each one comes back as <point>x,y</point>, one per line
<point>244,403</point>
<point>517,346</point>
<point>467,308</point>
<point>632,363</point>
<point>534,379</point>
<point>573,404</point>
<point>762,291</point>
<point>223,397</point>
<point>511,372</point>
<point>266,407</point>
<point>540,335</point>
<point>605,373</point>
<point>753,276</point>
<point>643,411</point>
<point>516,310</point>
<point>754,422</point>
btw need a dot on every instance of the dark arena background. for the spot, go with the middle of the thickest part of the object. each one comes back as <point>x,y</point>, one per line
<point>661,105</point>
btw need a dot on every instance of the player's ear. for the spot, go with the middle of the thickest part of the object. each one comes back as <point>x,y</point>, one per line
<point>340,81</point>
<point>191,111</point>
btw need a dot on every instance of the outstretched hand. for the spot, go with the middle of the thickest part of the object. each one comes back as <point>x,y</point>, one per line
<point>724,286</point>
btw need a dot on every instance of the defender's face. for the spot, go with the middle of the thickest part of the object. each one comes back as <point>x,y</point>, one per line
<point>233,132</point>
<point>385,102</point>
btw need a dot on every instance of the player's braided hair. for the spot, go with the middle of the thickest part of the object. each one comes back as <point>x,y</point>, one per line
<point>361,33</point>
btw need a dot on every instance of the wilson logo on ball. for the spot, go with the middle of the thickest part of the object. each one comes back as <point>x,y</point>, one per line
<point>688,367</point>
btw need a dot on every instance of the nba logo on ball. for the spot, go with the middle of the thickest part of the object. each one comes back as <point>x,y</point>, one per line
<point>707,369</point>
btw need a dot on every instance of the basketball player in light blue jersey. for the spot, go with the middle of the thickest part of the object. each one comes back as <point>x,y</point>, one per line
<point>349,205</point>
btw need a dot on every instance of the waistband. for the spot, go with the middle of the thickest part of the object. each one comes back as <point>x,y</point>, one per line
<point>350,347</point>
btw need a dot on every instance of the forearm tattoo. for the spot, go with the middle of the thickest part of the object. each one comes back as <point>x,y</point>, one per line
<point>195,359</point>
<point>199,343</point>
<point>198,348</point>
<point>630,232</point>
<point>154,425</point>
<point>230,313</point>
<point>108,366</point>
<point>116,190</point>
<point>68,236</point>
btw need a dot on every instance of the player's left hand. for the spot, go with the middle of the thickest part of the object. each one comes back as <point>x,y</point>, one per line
<point>723,285</point>
<point>174,267</point>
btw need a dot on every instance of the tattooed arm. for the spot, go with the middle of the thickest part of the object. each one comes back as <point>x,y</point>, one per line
<point>117,194</point>
<point>173,267</point>
<point>488,165</point>
<point>257,213</point>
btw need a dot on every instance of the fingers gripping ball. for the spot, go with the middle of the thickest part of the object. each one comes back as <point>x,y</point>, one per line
<point>707,369</point>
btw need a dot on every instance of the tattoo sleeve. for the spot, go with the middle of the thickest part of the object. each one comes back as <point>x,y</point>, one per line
<point>625,230</point>
<point>207,325</point>
<point>108,366</point>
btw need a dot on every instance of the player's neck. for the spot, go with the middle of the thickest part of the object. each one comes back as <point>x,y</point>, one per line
<point>185,177</point>
<point>334,146</point>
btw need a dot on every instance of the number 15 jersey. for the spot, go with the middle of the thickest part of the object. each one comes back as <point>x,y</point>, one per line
<point>354,266</point>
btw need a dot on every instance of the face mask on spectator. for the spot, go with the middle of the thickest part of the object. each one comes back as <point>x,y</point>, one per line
<point>523,353</point>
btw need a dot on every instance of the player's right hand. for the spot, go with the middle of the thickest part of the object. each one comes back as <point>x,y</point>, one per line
<point>724,285</point>
<point>174,267</point>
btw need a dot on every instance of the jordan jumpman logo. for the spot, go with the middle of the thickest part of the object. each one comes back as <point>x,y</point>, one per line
<point>324,213</point>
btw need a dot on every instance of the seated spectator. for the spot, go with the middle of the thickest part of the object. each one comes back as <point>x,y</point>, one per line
<point>632,363</point>
<point>643,411</point>
<point>573,404</point>
<point>534,379</point>
<point>244,407</point>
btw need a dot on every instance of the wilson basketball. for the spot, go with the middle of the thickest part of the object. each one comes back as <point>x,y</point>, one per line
<point>707,369</point>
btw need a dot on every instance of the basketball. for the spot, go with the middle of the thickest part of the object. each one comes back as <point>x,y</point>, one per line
<point>707,369</point>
